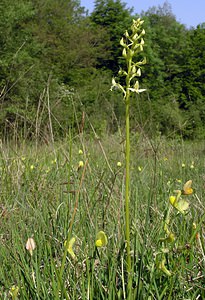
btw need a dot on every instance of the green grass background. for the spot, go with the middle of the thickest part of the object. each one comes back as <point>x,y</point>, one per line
<point>38,189</point>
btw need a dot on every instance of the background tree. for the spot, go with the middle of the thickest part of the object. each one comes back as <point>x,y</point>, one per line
<point>193,77</point>
<point>166,44</point>
<point>114,18</point>
<point>19,62</point>
<point>53,57</point>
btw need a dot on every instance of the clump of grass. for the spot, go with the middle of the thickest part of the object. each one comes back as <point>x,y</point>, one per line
<point>41,204</point>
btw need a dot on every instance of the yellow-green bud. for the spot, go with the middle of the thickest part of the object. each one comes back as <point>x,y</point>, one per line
<point>126,34</point>
<point>122,43</point>
<point>124,52</point>
<point>134,69</point>
<point>139,72</point>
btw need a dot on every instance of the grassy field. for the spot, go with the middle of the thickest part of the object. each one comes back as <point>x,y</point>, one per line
<point>48,196</point>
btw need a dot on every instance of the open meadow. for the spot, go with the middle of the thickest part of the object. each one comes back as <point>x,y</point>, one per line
<point>72,190</point>
<point>102,170</point>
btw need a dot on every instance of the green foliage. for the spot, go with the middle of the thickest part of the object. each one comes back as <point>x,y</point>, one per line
<point>171,74</point>
<point>114,18</point>
<point>39,188</point>
<point>45,46</point>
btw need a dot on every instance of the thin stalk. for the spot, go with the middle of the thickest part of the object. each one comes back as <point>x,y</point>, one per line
<point>127,187</point>
<point>127,180</point>
<point>127,176</point>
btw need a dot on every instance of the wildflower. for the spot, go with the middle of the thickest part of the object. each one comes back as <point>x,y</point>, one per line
<point>101,239</point>
<point>14,290</point>
<point>172,199</point>
<point>116,85</point>
<point>177,202</point>
<point>80,152</point>
<point>136,88</point>
<point>183,165</point>
<point>32,167</point>
<point>54,161</point>
<point>80,164</point>
<point>69,247</point>
<point>165,158</point>
<point>178,180</point>
<point>139,169</point>
<point>192,165</point>
<point>30,245</point>
<point>187,190</point>
<point>119,164</point>
<point>23,158</point>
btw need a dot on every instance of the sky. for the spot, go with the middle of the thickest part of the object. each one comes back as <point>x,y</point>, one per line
<point>188,12</point>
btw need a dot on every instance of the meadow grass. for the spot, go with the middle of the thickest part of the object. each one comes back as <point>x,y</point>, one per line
<point>43,188</point>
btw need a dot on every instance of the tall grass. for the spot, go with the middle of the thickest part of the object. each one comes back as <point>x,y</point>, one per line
<point>38,196</point>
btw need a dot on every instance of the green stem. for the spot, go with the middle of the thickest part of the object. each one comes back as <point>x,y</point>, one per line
<point>127,188</point>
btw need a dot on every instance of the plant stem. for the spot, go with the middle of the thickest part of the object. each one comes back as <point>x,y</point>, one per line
<point>127,187</point>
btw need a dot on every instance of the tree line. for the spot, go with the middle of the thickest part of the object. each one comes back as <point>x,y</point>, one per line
<point>57,62</point>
